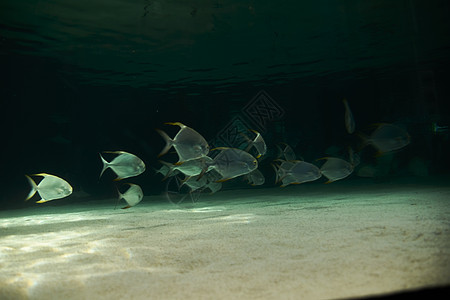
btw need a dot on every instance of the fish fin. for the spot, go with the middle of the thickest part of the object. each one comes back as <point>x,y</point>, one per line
<point>105,165</point>
<point>33,188</point>
<point>169,142</point>
<point>119,198</point>
<point>117,179</point>
<point>176,124</point>
<point>223,180</point>
<point>41,174</point>
<point>365,141</point>
<point>322,158</point>
<point>329,181</point>
<point>202,173</point>
<point>276,168</point>
<point>114,152</point>
<point>219,148</point>
<point>248,140</point>
<point>170,166</point>
<point>179,163</point>
<point>126,207</point>
<point>42,201</point>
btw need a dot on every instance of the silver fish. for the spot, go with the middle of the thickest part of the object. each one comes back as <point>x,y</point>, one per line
<point>188,143</point>
<point>296,172</point>
<point>132,196</point>
<point>191,167</point>
<point>335,168</point>
<point>389,137</point>
<point>233,162</point>
<point>258,142</point>
<point>349,121</point>
<point>125,164</point>
<point>255,178</point>
<point>50,188</point>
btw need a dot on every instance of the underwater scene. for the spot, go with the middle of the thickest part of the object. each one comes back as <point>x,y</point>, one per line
<point>223,149</point>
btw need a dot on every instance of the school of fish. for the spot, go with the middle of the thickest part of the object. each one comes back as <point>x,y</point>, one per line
<point>206,169</point>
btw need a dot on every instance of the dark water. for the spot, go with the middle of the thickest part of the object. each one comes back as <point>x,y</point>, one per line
<point>81,77</point>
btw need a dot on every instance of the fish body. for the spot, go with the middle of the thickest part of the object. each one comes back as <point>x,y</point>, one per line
<point>50,188</point>
<point>335,169</point>
<point>132,196</point>
<point>191,167</point>
<point>125,164</point>
<point>389,137</point>
<point>233,162</point>
<point>349,121</point>
<point>188,143</point>
<point>297,172</point>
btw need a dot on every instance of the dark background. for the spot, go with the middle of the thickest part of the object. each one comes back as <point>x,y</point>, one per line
<point>85,77</point>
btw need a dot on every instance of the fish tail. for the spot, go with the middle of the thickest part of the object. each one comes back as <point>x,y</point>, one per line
<point>276,168</point>
<point>169,142</point>
<point>365,141</point>
<point>120,196</point>
<point>33,188</point>
<point>105,165</point>
<point>170,166</point>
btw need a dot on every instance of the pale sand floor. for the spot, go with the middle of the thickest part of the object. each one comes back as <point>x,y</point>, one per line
<point>300,242</point>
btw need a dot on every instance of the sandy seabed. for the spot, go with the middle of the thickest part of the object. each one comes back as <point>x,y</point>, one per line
<point>300,242</point>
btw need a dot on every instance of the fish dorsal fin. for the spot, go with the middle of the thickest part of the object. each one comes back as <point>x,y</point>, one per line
<point>176,124</point>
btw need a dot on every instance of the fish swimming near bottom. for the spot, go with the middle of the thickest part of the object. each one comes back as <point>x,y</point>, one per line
<point>335,168</point>
<point>388,137</point>
<point>233,162</point>
<point>295,172</point>
<point>132,196</point>
<point>124,164</point>
<point>50,188</point>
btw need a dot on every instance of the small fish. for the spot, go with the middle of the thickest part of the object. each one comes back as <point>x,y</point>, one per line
<point>255,178</point>
<point>125,164</point>
<point>335,168</point>
<point>258,142</point>
<point>286,152</point>
<point>296,172</point>
<point>233,162</point>
<point>132,196</point>
<point>388,137</point>
<point>188,143</point>
<point>349,121</point>
<point>191,167</point>
<point>50,188</point>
